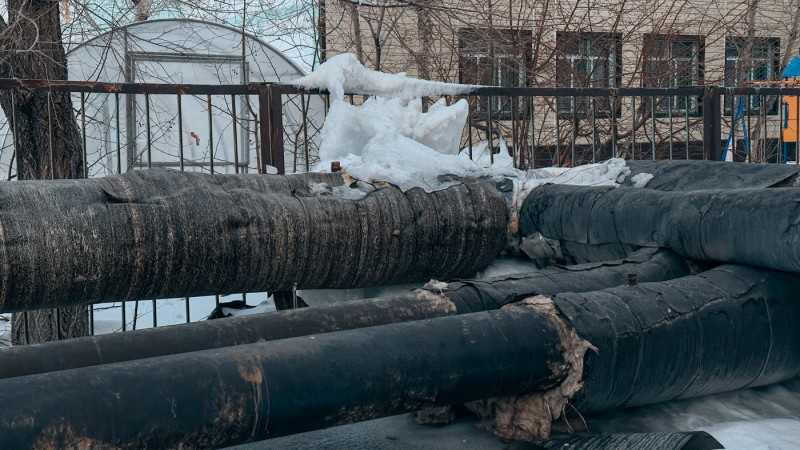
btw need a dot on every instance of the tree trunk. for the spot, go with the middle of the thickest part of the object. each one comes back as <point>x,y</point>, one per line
<point>46,134</point>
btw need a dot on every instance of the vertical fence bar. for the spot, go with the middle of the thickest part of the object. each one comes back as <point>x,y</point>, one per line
<point>210,135</point>
<point>686,117</point>
<point>469,127</point>
<point>633,127</point>
<point>216,300</point>
<point>180,131</point>
<point>83,135</point>
<point>748,147</point>
<point>236,136</point>
<point>306,153</point>
<point>712,124</point>
<point>124,319</point>
<point>50,134</point>
<point>119,140</point>
<point>653,127</point>
<point>612,103</point>
<point>763,100</point>
<point>514,138</point>
<point>594,130</point>
<point>155,320</point>
<point>558,135</point>
<point>91,320</point>
<point>186,303</point>
<point>147,127</point>
<point>669,115</point>
<point>271,129</point>
<point>574,132</point>
<point>489,136</point>
<point>533,134</point>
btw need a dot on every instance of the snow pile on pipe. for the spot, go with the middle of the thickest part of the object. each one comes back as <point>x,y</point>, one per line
<point>389,138</point>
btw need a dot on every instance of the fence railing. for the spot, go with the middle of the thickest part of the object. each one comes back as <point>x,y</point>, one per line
<point>257,127</point>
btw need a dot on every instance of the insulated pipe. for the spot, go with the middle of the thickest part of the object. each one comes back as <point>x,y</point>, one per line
<point>728,328</point>
<point>683,175</point>
<point>163,233</point>
<point>757,227</point>
<point>460,296</point>
<point>238,394</point>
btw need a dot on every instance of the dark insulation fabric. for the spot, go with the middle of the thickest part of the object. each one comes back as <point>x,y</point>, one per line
<point>216,398</point>
<point>689,440</point>
<point>725,329</point>
<point>699,175</point>
<point>648,264</point>
<point>759,227</point>
<point>162,233</point>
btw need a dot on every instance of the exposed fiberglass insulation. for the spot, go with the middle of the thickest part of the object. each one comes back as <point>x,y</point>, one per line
<point>163,233</point>
<point>724,329</point>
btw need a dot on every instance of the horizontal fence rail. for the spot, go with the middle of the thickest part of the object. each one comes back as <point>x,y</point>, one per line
<point>267,128</point>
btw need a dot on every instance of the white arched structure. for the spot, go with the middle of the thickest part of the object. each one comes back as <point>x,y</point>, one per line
<point>184,52</point>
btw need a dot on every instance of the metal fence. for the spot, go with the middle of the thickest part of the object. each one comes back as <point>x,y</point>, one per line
<point>251,128</point>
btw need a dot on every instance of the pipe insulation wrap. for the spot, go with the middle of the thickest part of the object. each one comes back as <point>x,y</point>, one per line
<point>237,394</point>
<point>683,175</point>
<point>460,296</point>
<point>162,233</point>
<point>727,328</point>
<point>758,227</point>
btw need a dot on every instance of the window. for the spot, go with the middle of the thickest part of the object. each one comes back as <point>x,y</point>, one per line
<point>758,60</point>
<point>587,60</point>
<point>674,61</point>
<point>495,58</point>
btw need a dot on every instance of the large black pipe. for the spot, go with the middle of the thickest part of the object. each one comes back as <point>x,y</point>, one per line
<point>163,233</point>
<point>757,227</point>
<point>237,394</point>
<point>691,175</point>
<point>459,296</point>
<point>728,328</point>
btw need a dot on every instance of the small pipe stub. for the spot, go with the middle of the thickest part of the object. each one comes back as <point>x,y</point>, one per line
<point>631,279</point>
<point>335,166</point>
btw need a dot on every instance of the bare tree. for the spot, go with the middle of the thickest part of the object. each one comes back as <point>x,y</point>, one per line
<point>45,132</point>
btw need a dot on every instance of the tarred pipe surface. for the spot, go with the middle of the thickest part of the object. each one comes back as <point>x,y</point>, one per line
<point>237,394</point>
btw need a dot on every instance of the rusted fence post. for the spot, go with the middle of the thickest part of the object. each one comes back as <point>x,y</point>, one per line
<point>271,128</point>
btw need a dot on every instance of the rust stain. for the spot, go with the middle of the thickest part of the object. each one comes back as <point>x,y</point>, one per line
<point>63,436</point>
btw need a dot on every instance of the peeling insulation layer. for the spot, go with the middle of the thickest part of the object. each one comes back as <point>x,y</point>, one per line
<point>529,416</point>
<point>727,328</point>
<point>162,233</point>
<point>758,227</point>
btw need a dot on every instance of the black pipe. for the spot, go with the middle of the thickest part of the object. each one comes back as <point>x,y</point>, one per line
<point>757,227</point>
<point>728,328</point>
<point>683,175</point>
<point>162,234</point>
<point>238,394</point>
<point>460,296</point>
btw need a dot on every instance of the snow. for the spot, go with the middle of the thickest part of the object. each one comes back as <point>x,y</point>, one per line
<point>640,180</point>
<point>345,74</point>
